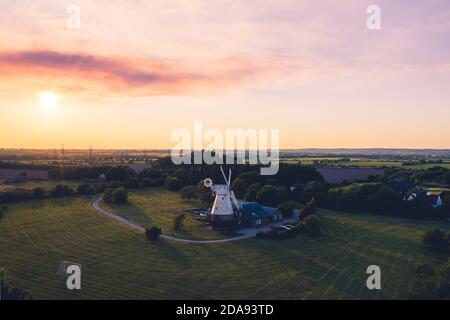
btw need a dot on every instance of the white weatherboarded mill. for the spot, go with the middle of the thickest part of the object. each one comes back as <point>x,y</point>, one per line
<point>225,211</point>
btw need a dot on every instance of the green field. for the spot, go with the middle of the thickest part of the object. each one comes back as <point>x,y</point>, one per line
<point>119,263</point>
<point>158,207</point>
<point>364,163</point>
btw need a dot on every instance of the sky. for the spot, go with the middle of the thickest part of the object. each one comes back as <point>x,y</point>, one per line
<point>135,71</point>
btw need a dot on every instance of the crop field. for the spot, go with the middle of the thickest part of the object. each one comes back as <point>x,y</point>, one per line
<point>363,163</point>
<point>119,263</point>
<point>158,207</point>
<point>12,173</point>
<point>32,184</point>
<point>337,175</point>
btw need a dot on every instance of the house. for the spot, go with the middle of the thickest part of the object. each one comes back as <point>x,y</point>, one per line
<point>254,215</point>
<point>433,200</point>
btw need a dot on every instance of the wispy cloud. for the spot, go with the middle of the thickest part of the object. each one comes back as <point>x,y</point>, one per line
<point>128,75</point>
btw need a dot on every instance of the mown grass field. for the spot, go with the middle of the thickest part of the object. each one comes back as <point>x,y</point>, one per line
<point>158,207</point>
<point>118,263</point>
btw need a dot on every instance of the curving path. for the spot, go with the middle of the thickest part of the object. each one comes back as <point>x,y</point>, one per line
<point>245,232</point>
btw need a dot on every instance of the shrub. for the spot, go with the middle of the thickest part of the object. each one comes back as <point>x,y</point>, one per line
<point>120,195</point>
<point>108,195</point>
<point>309,209</point>
<point>11,293</point>
<point>435,239</point>
<point>312,226</point>
<point>287,208</point>
<point>189,193</point>
<point>86,188</point>
<point>153,233</point>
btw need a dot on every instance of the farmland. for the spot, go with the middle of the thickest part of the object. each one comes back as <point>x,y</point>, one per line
<point>35,236</point>
<point>32,184</point>
<point>364,162</point>
<point>158,207</point>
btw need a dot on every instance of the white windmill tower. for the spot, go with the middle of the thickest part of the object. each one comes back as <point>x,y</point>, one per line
<point>225,209</point>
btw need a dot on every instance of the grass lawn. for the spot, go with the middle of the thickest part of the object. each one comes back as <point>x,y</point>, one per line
<point>119,263</point>
<point>159,207</point>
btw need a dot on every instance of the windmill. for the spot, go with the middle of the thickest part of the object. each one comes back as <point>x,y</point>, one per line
<point>225,209</point>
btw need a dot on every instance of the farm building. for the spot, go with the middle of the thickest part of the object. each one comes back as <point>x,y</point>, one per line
<point>420,194</point>
<point>254,215</point>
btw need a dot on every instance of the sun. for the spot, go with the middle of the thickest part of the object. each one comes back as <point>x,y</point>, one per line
<point>49,99</point>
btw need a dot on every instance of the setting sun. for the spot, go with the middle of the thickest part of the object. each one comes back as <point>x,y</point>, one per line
<point>49,99</point>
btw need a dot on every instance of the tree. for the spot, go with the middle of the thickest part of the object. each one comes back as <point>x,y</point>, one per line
<point>309,209</point>
<point>38,193</point>
<point>108,195</point>
<point>86,188</point>
<point>314,189</point>
<point>287,208</point>
<point>120,173</point>
<point>204,193</point>
<point>173,183</point>
<point>11,293</point>
<point>312,225</point>
<point>252,191</point>
<point>153,233</point>
<point>179,221</point>
<point>120,195</point>
<point>269,196</point>
<point>181,174</point>
<point>239,188</point>
<point>189,193</point>
<point>436,239</point>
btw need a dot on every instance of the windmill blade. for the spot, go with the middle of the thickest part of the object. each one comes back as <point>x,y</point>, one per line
<point>223,174</point>
<point>229,178</point>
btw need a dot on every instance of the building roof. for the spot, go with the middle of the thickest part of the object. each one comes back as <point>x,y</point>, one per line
<point>253,211</point>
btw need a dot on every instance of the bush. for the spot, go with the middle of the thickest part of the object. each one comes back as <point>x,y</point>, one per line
<point>61,191</point>
<point>108,195</point>
<point>312,226</point>
<point>179,221</point>
<point>11,293</point>
<point>153,233</point>
<point>189,193</point>
<point>86,188</point>
<point>120,195</point>
<point>309,209</point>
<point>435,239</point>
<point>287,208</point>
